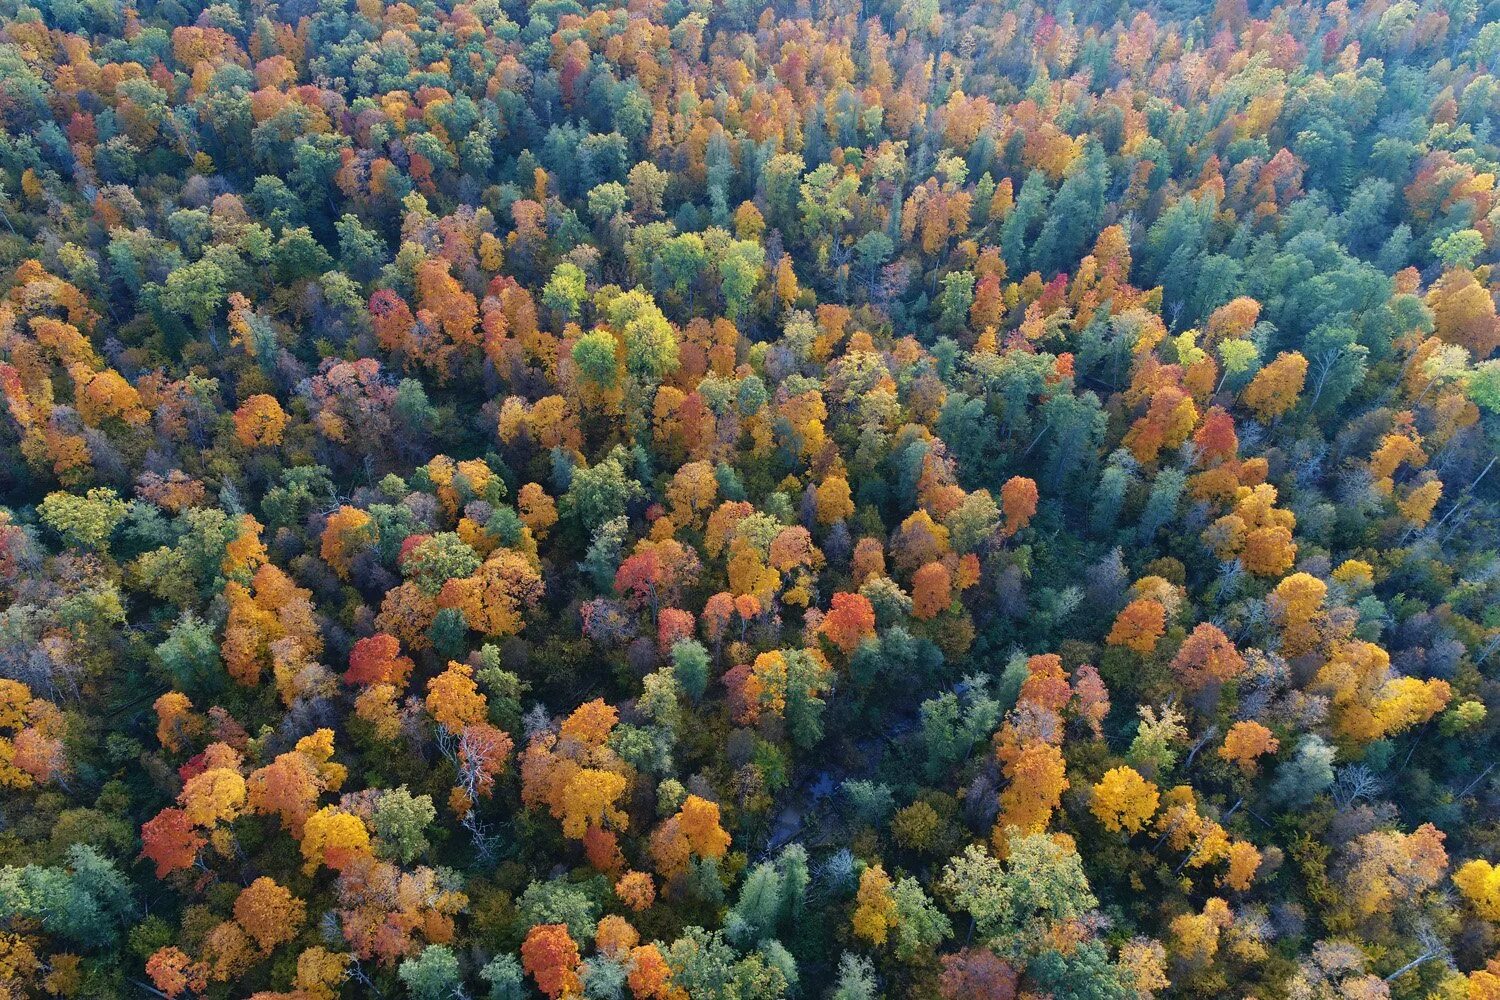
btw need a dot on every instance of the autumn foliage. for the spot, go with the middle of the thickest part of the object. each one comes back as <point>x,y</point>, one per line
<point>757,501</point>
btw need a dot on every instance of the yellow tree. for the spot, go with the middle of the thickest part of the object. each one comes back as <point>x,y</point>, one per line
<point>538,510</point>
<point>269,913</point>
<point>260,422</point>
<point>453,699</point>
<point>334,838</point>
<point>347,532</point>
<point>693,832</point>
<point>493,599</point>
<point>1038,777</point>
<point>1479,882</point>
<point>874,906</point>
<point>1276,387</point>
<point>1123,800</point>
<point>1298,601</point>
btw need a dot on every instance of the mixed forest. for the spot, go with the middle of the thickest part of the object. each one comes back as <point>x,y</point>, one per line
<point>692,500</point>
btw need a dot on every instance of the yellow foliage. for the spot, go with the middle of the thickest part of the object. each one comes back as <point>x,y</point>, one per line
<point>875,906</point>
<point>1479,881</point>
<point>1123,800</point>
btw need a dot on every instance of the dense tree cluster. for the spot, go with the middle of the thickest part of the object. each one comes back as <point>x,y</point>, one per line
<point>689,499</point>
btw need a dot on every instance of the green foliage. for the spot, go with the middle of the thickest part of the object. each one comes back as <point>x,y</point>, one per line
<point>400,820</point>
<point>190,656</point>
<point>85,903</point>
<point>431,975</point>
<point>690,665</point>
<point>1016,904</point>
<point>560,902</point>
<point>1305,775</point>
<point>87,521</point>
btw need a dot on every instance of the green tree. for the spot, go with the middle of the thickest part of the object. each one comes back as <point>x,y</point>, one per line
<point>705,966</point>
<point>594,354</point>
<point>1305,776</point>
<point>196,290</point>
<point>741,267</point>
<point>362,253</point>
<point>690,665</point>
<point>86,904</point>
<point>954,301</point>
<point>974,523</point>
<point>827,194</point>
<point>954,723</point>
<point>1025,214</point>
<point>506,979</point>
<point>438,559</point>
<point>1018,903</point>
<point>565,290</point>
<point>1458,248</point>
<point>1336,365</point>
<point>400,820</point>
<point>650,343</point>
<point>599,493</point>
<point>190,656</point>
<point>297,256</point>
<point>559,902</point>
<point>607,201</point>
<point>86,521</point>
<point>1081,973</point>
<point>680,265</point>
<point>432,974</point>
<point>771,899</point>
<point>920,926</point>
<point>1074,216</point>
<point>856,979</point>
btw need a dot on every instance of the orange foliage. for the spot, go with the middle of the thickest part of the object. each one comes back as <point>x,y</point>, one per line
<point>377,659</point>
<point>1247,741</point>
<point>615,936</point>
<point>1038,776</point>
<point>272,608</point>
<point>636,890</point>
<point>1369,703</point>
<point>290,785</point>
<point>176,723</point>
<point>932,590</point>
<point>260,422</point>
<point>170,841</point>
<point>385,912</point>
<point>1275,388</point>
<point>174,973</point>
<point>493,599</point>
<point>453,699</point>
<point>849,621</point>
<point>1464,311</point>
<point>1019,502</point>
<point>538,510</point>
<point>269,913</point>
<point>217,793</point>
<point>1138,626</point>
<point>550,956</point>
<point>348,531</point>
<point>1207,657</point>
<point>650,978</point>
<point>693,832</point>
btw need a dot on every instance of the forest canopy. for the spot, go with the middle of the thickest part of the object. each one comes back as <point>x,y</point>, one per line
<point>702,500</point>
